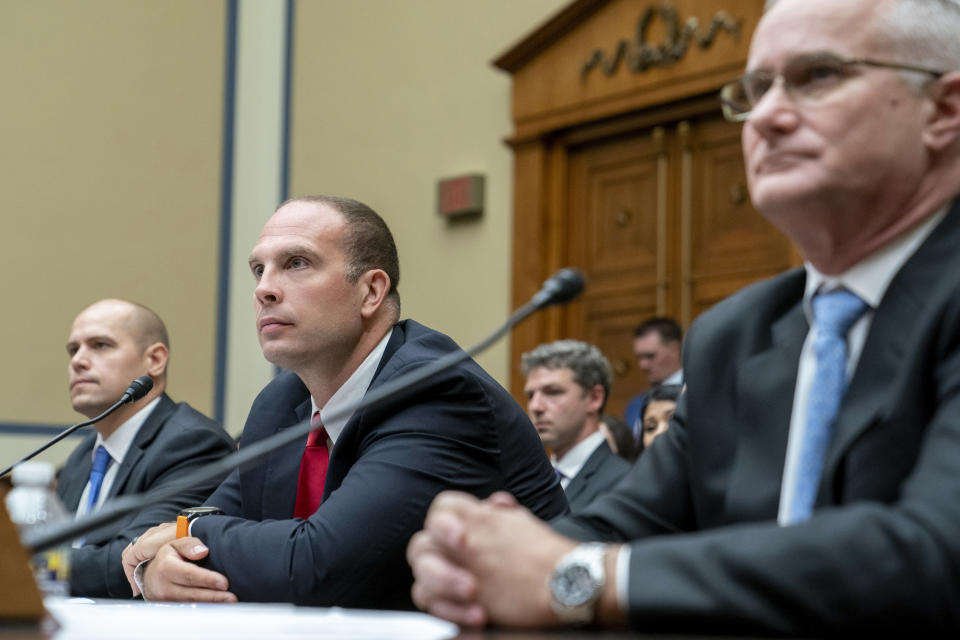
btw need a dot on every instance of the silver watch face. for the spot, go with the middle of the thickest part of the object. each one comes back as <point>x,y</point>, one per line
<point>574,585</point>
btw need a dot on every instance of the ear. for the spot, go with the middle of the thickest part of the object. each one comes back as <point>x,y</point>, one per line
<point>156,356</point>
<point>595,398</point>
<point>943,126</point>
<point>376,285</point>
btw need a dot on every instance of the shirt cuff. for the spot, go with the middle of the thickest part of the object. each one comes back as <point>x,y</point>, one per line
<point>623,578</point>
<point>138,577</point>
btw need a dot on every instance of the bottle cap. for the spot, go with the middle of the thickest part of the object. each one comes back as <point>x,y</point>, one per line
<point>33,473</point>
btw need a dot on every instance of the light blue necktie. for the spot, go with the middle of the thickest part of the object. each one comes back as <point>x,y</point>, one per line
<point>833,315</point>
<point>100,461</point>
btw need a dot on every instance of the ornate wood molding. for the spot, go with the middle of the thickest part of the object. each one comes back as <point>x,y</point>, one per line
<point>639,55</point>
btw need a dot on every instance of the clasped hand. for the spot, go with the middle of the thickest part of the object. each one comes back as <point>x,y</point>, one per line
<point>171,574</point>
<point>485,561</point>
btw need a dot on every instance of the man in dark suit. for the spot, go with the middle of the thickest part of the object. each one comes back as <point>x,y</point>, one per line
<point>325,521</point>
<point>141,446</point>
<point>657,346</point>
<point>567,384</point>
<point>810,481</point>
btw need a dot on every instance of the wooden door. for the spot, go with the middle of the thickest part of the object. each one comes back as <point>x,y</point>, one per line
<point>660,222</point>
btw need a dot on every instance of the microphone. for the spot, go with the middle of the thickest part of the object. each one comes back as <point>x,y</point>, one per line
<point>137,389</point>
<point>561,287</point>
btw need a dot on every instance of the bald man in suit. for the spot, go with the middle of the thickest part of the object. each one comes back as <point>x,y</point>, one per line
<point>141,446</point>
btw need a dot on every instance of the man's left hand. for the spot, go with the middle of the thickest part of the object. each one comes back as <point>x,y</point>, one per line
<point>144,548</point>
<point>172,575</point>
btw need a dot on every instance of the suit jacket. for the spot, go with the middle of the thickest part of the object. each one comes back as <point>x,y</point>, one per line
<point>599,474</point>
<point>634,413</point>
<point>882,550</point>
<point>457,430</point>
<point>174,440</point>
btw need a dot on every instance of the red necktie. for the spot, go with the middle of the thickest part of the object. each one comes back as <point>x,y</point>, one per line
<point>313,471</point>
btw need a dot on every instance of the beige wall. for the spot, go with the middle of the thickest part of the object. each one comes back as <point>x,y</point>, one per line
<point>389,97</point>
<point>110,159</point>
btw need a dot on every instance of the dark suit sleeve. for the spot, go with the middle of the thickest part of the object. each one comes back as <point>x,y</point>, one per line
<point>96,570</point>
<point>858,567</point>
<point>350,552</point>
<point>227,495</point>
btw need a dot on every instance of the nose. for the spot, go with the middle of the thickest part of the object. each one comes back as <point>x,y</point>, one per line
<point>267,290</point>
<point>662,425</point>
<point>79,360</point>
<point>775,112</point>
<point>535,404</point>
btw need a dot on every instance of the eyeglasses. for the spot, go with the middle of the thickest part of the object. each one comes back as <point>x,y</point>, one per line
<point>806,79</point>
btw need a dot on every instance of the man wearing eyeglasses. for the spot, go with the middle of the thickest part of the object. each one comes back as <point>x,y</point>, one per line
<point>810,481</point>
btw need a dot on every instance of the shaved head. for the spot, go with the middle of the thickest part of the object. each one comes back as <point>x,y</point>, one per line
<point>142,323</point>
<point>111,343</point>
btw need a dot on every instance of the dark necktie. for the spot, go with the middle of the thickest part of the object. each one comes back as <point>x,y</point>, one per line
<point>313,471</point>
<point>100,461</point>
<point>833,315</point>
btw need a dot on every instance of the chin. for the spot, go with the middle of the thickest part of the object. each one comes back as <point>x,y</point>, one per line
<point>89,410</point>
<point>775,200</point>
<point>278,358</point>
<point>790,187</point>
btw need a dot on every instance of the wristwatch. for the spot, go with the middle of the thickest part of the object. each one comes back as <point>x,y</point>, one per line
<point>188,515</point>
<point>577,582</point>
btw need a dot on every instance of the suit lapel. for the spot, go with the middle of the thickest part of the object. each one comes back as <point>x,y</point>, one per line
<point>888,340</point>
<point>75,475</point>
<point>283,468</point>
<point>579,482</point>
<point>342,456</point>
<point>145,435</point>
<point>766,382</point>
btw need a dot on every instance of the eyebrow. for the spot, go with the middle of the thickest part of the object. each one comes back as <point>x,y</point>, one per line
<point>105,338</point>
<point>288,252</point>
<point>822,54</point>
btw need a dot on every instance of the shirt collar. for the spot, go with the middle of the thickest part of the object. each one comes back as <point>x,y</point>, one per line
<point>351,391</point>
<point>870,277</point>
<point>570,464</point>
<point>120,440</point>
<point>674,378</point>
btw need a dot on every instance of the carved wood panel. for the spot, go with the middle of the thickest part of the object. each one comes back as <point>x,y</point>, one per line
<point>625,169</point>
<point>730,243</point>
<point>659,221</point>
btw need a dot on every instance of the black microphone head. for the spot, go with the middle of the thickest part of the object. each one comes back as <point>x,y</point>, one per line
<point>560,288</point>
<point>138,388</point>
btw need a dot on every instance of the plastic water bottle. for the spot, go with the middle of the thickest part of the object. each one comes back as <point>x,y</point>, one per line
<point>33,506</point>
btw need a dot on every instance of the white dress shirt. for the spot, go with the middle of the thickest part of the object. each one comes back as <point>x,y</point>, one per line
<point>350,392</point>
<point>674,378</point>
<point>572,462</point>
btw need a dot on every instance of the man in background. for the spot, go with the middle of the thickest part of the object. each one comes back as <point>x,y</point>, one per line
<point>143,445</point>
<point>325,520</point>
<point>656,345</point>
<point>809,483</point>
<point>567,384</point>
